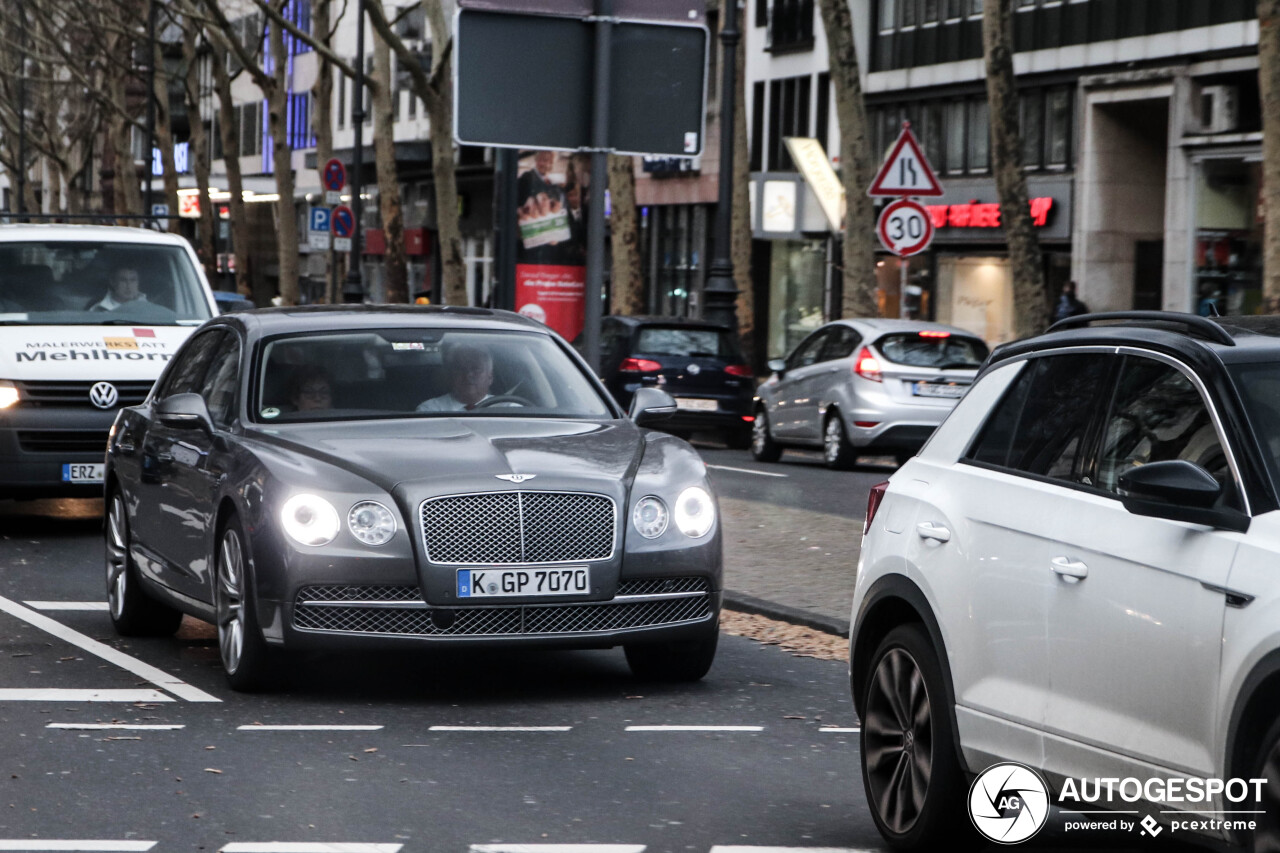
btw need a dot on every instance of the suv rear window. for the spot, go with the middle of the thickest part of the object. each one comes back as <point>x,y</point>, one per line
<point>939,350</point>
<point>673,340</point>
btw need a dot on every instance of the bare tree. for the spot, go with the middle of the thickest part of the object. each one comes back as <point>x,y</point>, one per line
<point>231,160</point>
<point>384,146</point>
<point>740,224</point>
<point>628,284</point>
<point>1031,307</point>
<point>1269,83</point>
<point>322,116</point>
<point>859,254</point>
<point>192,38</point>
<point>164,131</point>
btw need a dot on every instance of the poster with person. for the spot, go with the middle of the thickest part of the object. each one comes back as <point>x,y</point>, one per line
<point>551,253</point>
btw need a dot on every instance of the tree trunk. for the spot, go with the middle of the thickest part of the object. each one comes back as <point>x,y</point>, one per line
<point>235,183</point>
<point>740,223</point>
<point>164,138</point>
<point>628,284</point>
<point>128,192</point>
<point>1030,305</point>
<point>1269,83</point>
<point>322,122</point>
<point>53,197</point>
<point>859,252</point>
<point>282,166</point>
<point>199,152</point>
<point>384,147</point>
<point>443,160</point>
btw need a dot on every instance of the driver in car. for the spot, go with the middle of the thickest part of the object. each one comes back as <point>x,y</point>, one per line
<point>470,375</point>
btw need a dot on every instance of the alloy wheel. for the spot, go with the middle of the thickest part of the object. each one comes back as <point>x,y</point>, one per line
<point>759,434</point>
<point>898,731</point>
<point>833,440</point>
<point>230,600</point>
<point>117,557</point>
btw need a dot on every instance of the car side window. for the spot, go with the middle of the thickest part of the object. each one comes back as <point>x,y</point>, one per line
<point>841,342</point>
<point>221,381</point>
<point>1042,425</point>
<point>186,373</point>
<point>808,352</point>
<point>1156,415</point>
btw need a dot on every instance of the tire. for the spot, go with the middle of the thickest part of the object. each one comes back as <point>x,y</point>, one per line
<point>133,612</point>
<point>837,452</point>
<point>763,447</point>
<point>246,659</point>
<point>738,439</point>
<point>677,660</point>
<point>913,780</point>
<point>1266,838</point>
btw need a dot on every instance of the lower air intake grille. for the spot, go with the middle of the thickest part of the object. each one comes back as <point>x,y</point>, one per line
<point>66,441</point>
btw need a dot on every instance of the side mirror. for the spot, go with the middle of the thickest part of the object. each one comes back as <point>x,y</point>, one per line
<point>184,411</point>
<point>777,365</point>
<point>1179,491</point>
<point>650,406</point>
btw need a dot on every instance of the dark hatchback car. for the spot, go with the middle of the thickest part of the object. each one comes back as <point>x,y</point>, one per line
<point>699,364</point>
<point>335,477</point>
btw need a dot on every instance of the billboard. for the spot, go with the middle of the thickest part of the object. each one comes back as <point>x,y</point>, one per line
<point>551,250</point>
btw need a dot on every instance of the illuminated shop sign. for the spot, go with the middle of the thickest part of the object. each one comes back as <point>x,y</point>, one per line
<point>986,215</point>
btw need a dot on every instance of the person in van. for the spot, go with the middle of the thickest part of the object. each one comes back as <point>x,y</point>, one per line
<point>124,290</point>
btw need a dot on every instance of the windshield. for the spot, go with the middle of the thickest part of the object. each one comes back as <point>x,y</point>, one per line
<point>939,350</point>
<point>95,283</point>
<point>358,375</point>
<point>673,340</point>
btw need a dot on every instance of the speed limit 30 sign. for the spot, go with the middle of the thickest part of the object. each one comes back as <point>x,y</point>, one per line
<point>905,228</point>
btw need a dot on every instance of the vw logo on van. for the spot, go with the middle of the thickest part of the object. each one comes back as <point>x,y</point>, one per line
<point>103,395</point>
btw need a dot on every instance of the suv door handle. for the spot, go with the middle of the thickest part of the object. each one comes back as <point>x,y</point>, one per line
<point>1068,568</point>
<point>929,530</point>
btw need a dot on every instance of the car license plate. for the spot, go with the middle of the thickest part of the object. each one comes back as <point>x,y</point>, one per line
<point>696,404</point>
<point>78,472</point>
<point>929,389</point>
<point>496,583</point>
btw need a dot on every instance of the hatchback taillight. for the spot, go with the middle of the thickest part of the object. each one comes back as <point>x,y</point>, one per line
<point>874,497</point>
<point>639,365</point>
<point>867,366</point>
<point>738,370</point>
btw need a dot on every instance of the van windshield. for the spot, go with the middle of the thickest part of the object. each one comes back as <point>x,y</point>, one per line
<point>97,283</point>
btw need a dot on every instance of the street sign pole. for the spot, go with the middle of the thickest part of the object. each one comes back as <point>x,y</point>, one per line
<point>721,292</point>
<point>599,176</point>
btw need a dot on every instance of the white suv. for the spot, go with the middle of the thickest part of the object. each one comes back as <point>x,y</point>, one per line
<point>1080,573</point>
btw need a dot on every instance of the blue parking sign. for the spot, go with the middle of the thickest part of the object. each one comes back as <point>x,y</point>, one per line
<point>320,219</point>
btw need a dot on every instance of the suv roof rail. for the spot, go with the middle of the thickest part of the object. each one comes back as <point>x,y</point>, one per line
<point>1194,323</point>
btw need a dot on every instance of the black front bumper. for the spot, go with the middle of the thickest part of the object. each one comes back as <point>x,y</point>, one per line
<point>35,444</point>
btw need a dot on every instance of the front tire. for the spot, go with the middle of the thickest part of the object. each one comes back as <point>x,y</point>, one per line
<point>763,447</point>
<point>912,776</point>
<point>1266,837</point>
<point>837,452</point>
<point>133,612</point>
<point>676,660</point>
<point>246,660</point>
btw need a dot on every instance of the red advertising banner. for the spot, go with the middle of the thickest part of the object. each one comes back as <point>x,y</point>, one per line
<point>553,295</point>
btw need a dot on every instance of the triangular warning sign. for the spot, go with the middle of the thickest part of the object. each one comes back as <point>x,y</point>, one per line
<point>906,171</point>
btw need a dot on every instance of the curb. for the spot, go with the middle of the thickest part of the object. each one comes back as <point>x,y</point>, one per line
<point>760,607</point>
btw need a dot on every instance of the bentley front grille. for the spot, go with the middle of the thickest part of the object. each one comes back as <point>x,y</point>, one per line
<point>514,528</point>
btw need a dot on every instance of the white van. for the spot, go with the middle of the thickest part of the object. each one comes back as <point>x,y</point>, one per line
<point>89,316</point>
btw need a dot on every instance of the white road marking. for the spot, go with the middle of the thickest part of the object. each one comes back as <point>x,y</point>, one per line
<point>500,728</point>
<point>55,694</point>
<point>839,730</point>
<point>156,676</point>
<point>307,847</point>
<point>695,728</point>
<point>304,728</point>
<point>67,605</point>
<point>33,844</point>
<point>746,470</point>
<point>97,727</point>
<point>719,848</point>
<point>557,848</point>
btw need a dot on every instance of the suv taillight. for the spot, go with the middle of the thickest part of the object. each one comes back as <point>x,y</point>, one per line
<point>638,365</point>
<point>874,497</point>
<point>738,370</point>
<point>866,366</point>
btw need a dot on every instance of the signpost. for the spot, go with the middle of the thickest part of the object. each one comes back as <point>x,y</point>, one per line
<point>319,228</point>
<point>343,224</point>
<point>334,178</point>
<point>905,227</point>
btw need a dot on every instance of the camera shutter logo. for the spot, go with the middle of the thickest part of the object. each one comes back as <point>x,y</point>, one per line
<point>1009,803</point>
<point>103,395</point>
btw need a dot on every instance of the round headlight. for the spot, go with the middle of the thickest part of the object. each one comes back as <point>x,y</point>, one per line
<point>310,520</point>
<point>371,523</point>
<point>650,517</point>
<point>695,512</point>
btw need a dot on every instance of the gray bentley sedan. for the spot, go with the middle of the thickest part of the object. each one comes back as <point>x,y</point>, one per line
<point>346,477</point>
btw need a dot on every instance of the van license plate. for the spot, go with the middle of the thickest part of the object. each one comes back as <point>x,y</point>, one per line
<point>79,472</point>
<point>496,583</point>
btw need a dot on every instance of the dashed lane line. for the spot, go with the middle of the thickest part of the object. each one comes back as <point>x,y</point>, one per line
<point>695,728</point>
<point>70,694</point>
<point>747,471</point>
<point>35,844</point>
<point>307,728</point>
<point>156,676</point>
<point>743,849</point>
<point>500,728</point>
<point>66,605</point>
<point>557,848</point>
<point>840,730</point>
<point>129,727</point>
<point>307,847</point>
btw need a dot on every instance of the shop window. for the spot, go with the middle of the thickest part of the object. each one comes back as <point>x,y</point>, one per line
<point>955,137</point>
<point>979,137</point>
<point>797,290</point>
<point>1228,244</point>
<point>1057,129</point>
<point>1031,126</point>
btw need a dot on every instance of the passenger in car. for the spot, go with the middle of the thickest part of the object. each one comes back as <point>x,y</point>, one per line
<point>311,390</point>
<point>470,370</point>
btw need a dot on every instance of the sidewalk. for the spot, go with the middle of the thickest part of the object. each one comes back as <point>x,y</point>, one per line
<point>790,564</point>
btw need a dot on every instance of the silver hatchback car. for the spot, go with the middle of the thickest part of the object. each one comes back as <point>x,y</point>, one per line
<point>864,387</point>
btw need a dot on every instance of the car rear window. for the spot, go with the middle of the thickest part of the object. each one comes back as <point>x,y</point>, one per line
<point>939,350</point>
<point>673,340</point>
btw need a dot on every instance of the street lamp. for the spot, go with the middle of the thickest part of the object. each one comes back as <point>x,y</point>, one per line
<point>721,293</point>
<point>353,289</point>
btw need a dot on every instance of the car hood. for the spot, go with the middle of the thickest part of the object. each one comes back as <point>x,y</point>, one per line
<point>438,454</point>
